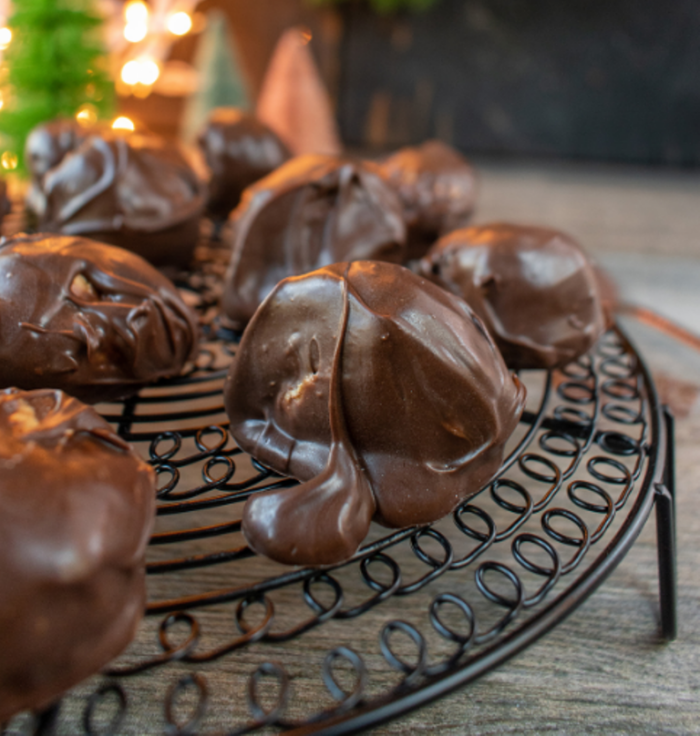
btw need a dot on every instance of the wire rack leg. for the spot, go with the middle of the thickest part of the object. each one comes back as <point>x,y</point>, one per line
<point>666,537</point>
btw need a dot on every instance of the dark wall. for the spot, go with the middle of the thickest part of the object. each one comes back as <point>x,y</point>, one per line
<point>598,79</point>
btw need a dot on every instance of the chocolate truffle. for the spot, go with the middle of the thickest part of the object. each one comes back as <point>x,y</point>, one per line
<point>381,392</point>
<point>76,509</point>
<point>132,190</point>
<point>437,188</point>
<point>534,288</point>
<point>88,318</point>
<point>313,211</point>
<point>239,150</point>
<point>46,147</point>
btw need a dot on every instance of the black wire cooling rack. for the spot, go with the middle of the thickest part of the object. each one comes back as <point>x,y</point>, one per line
<point>235,644</point>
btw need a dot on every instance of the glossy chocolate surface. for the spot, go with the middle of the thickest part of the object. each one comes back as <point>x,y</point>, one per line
<point>437,188</point>
<point>309,213</point>
<point>239,150</point>
<point>76,510</point>
<point>381,392</point>
<point>534,288</point>
<point>46,146</point>
<point>129,189</point>
<point>96,321</point>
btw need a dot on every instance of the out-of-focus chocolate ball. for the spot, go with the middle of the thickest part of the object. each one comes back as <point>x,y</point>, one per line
<point>129,189</point>
<point>76,510</point>
<point>437,188</point>
<point>534,288</point>
<point>46,146</point>
<point>378,389</point>
<point>312,211</point>
<point>239,150</point>
<point>96,321</point>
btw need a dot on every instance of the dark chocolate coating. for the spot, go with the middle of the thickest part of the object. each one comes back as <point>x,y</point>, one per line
<point>76,509</point>
<point>313,211</point>
<point>93,320</point>
<point>437,188</point>
<point>132,190</point>
<point>239,150</point>
<point>381,392</point>
<point>534,288</point>
<point>46,146</point>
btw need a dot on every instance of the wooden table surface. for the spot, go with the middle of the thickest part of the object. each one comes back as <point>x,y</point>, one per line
<point>605,669</point>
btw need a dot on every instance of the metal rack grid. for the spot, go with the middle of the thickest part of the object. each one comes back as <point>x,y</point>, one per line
<point>229,636</point>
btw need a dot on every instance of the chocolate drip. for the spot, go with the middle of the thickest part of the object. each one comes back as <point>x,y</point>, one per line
<point>340,495</point>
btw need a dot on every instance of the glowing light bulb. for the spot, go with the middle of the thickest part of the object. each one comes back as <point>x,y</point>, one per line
<point>5,37</point>
<point>9,160</point>
<point>123,123</point>
<point>136,12</point>
<point>131,72</point>
<point>135,32</point>
<point>149,72</point>
<point>179,23</point>
<point>86,115</point>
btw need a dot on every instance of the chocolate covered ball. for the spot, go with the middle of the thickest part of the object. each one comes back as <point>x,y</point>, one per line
<point>128,189</point>
<point>313,211</point>
<point>377,389</point>
<point>46,146</point>
<point>239,150</point>
<point>437,188</point>
<point>534,288</point>
<point>76,509</point>
<point>96,321</point>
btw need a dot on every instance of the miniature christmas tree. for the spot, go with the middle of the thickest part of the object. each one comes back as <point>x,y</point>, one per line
<point>293,100</point>
<point>221,84</point>
<point>55,67</point>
